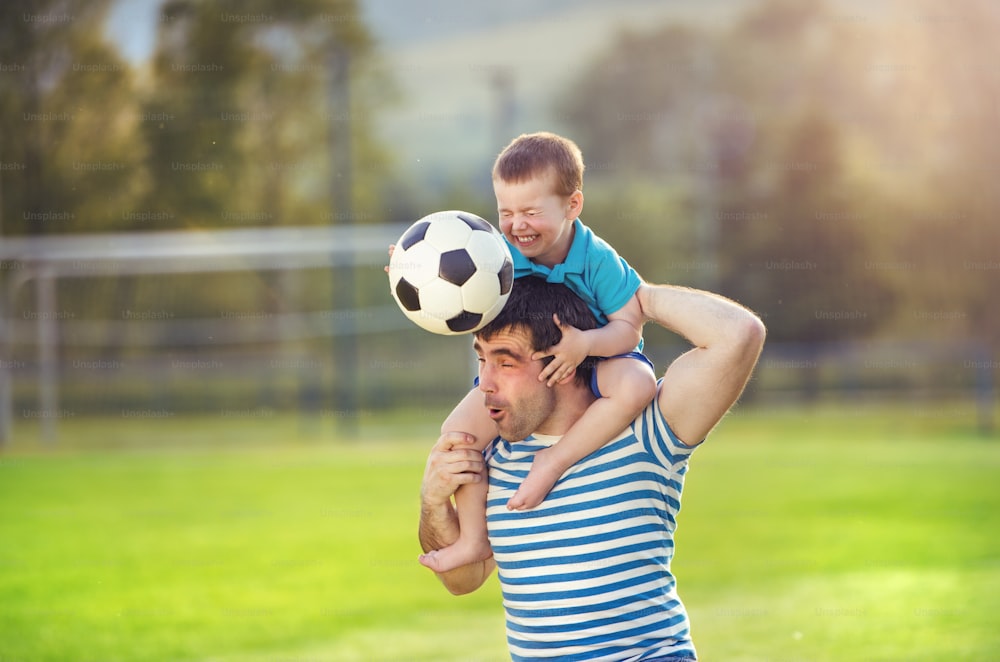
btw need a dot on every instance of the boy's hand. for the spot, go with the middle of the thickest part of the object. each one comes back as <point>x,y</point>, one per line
<point>392,247</point>
<point>568,354</point>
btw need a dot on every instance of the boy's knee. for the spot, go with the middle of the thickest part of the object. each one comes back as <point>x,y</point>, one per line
<point>641,382</point>
<point>628,379</point>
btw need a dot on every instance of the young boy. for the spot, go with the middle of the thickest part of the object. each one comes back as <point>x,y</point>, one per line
<point>537,180</point>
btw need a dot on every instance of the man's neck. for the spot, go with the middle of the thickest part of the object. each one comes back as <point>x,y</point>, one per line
<point>572,400</point>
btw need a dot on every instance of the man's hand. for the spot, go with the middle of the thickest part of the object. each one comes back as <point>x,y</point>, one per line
<point>453,461</point>
<point>567,354</point>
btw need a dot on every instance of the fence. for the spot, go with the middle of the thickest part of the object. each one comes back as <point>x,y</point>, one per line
<point>334,359</point>
<point>44,261</point>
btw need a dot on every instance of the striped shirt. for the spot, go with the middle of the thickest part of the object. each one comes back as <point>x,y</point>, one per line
<point>586,574</point>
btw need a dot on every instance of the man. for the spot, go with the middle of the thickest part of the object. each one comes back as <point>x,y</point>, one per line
<point>586,574</point>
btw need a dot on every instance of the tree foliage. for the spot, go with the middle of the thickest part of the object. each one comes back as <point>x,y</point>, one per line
<point>829,168</point>
<point>62,87</point>
<point>246,114</point>
<point>833,169</point>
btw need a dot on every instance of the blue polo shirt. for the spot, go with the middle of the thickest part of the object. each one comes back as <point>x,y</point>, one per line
<point>592,269</point>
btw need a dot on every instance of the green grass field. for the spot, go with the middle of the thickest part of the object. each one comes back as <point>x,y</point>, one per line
<point>845,533</point>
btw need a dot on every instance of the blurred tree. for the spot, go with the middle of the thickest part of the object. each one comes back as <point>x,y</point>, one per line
<point>792,254</point>
<point>61,86</point>
<point>250,109</point>
<point>260,113</point>
<point>241,116</point>
<point>803,164</point>
<point>627,109</point>
<point>234,122</point>
<point>943,161</point>
<point>635,113</point>
<point>795,230</point>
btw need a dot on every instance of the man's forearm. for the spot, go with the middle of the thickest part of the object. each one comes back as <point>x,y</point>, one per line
<point>703,318</point>
<point>439,528</point>
<point>438,525</point>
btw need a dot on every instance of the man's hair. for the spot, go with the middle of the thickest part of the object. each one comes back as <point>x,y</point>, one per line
<point>533,154</point>
<point>530,307</point>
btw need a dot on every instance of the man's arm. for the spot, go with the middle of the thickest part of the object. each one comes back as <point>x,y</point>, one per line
<point>452,463</point>
<point>701,385</point>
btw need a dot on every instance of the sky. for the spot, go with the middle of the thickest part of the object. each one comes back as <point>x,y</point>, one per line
<point>131,25</point>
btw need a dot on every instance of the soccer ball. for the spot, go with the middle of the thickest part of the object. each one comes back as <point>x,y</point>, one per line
<point>451,273</point>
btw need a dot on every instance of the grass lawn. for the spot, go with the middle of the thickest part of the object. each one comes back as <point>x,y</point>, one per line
<point>806,534</point>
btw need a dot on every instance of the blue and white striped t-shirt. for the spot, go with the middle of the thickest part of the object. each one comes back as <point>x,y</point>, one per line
<point>586,574</point>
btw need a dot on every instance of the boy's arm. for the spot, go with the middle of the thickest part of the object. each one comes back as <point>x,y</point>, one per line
<point>470,416</point>
<point>621,334</point>
<point>452,463</point>
<point>701,385</point>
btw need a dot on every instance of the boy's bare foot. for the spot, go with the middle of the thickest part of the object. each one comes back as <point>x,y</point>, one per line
<point>462,552</point>
<point>545,471</point>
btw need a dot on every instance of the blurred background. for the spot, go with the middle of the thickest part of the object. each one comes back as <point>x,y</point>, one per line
<point>196,196</point>
<point>214,419</point>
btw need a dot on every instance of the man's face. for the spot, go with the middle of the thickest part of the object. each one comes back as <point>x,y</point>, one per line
<point>517,402</point>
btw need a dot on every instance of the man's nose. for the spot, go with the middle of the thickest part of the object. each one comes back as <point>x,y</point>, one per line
<point>486,384</point>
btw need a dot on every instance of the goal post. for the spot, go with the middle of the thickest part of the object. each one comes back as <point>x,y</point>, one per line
<point>43,261</point>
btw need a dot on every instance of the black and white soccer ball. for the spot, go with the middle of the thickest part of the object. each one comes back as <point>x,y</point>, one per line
<point>451,272</point>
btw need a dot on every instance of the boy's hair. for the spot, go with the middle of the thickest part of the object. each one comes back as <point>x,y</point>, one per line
<point>530,307</point>
<point>532,154</point>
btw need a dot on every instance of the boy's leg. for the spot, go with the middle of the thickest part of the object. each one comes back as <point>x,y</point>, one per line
<point>627,385</point>
<point>470,500</point>
<point>472,544</point>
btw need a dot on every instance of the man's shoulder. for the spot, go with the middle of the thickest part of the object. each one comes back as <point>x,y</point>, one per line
<point>652,430</point>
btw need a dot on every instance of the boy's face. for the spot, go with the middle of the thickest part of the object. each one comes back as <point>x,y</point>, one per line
<point>535,219</point>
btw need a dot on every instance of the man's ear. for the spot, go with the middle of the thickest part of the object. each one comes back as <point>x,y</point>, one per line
<point>568,378</point>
